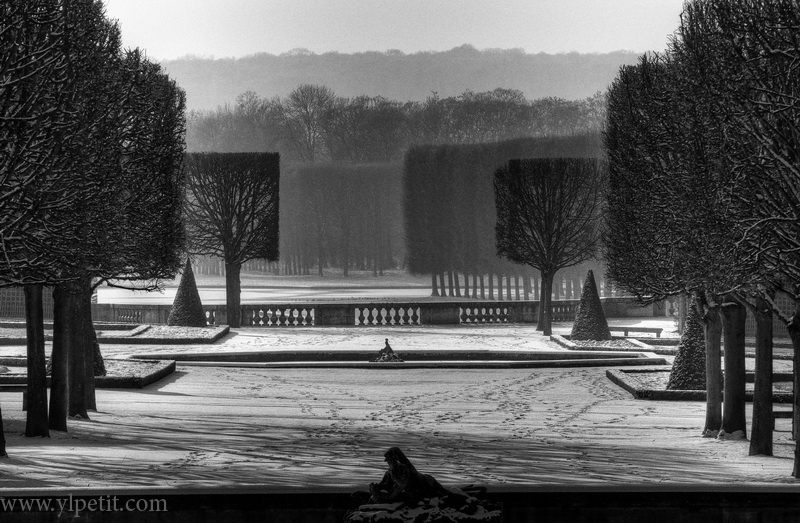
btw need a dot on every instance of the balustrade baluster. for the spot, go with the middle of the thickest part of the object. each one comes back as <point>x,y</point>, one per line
<point>282,318</point>
<point>383,316</point>
<point>415,319</point>
<point>370,316</point>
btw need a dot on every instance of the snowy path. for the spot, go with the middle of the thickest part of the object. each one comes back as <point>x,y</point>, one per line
<point>206,427</point>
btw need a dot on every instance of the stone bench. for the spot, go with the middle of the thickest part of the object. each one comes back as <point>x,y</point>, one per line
<point>626,330</point>
<point>782,413</point>
<point>17,387</point>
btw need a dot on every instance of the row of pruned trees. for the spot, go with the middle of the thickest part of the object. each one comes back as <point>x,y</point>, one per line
<point>705,137</point>
<point>341,190</point>
<point>340,215</point>
<point>451,214</point>
<point>232,210</point>
<point>313,125</point>
<point>90,183</point>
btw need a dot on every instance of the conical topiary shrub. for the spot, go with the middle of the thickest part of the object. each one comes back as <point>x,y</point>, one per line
<point>590,320</point>
<point>187,310</point>
<point>689,368</point>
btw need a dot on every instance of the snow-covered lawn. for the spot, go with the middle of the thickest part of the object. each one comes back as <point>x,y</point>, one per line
<point>217,427</point>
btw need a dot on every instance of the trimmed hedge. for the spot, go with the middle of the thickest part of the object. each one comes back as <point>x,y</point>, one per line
<point>689,368</point>
<point>187,310</point>
<point>590,320</point>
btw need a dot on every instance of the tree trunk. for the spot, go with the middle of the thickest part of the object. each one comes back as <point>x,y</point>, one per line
<point>526,287</point>
<point>2,437</point>
<point>94,360</point>
<point>434,285</point>
<point>536,295</point>
<point>794,332</point>
<point>233,293</point>
<point>516,287</point>
<point>346,256</point>
<point>491,286</point>
<point>712,325</point>
<point>59,359</point>
<point>540,314</point>
<point>36,420</point>
<point>500,287</point>
<point>483,289</point>
<point>761,437</point>
<point>508,288</point>
<point>734,420</point>
<point>546,314</point>
<point>77,348</point>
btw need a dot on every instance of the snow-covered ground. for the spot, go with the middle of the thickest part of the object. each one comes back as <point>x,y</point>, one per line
<point>231,427</point>
<point>215,427</point>
<point>262,294</point>
<point>266,288</point>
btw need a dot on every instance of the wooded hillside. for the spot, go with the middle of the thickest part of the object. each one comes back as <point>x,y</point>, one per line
<point>398,76</point>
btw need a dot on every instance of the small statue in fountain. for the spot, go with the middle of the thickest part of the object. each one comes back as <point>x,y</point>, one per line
<point>386,354</point>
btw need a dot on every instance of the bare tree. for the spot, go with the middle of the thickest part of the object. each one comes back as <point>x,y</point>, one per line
<point>303,115</point>
<point>232,212</point>
<point>547,216</point>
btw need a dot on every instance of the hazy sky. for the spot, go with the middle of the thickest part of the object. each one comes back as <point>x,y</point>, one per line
<point>232,28</point>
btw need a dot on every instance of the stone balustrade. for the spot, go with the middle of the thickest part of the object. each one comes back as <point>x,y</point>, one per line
<point>368,313</point>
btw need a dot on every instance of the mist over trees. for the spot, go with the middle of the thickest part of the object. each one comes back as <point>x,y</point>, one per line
<point>341,215</point>
<point>342,188</point>
<point>314,124</point>
<point>450,213</point>
<point>395,75</point>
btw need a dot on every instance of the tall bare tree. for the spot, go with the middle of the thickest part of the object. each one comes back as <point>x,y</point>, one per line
<point>303,116</point>
<point>548,212</point>
<point>232,212</point>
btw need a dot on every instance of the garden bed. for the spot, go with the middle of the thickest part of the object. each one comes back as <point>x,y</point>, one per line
<point>616,343</point>
<point>169,335</point>
<point>120,373</point>
<point>134,334</point>
<point>651,384</point>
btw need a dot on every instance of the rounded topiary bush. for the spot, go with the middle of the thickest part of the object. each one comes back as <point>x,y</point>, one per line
<point>187,310</point>
<point>590,320</point>
<point>689,368</point>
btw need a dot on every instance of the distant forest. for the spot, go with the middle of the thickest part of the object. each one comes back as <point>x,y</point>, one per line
<point>210,82</point>
<point>342,159</point>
